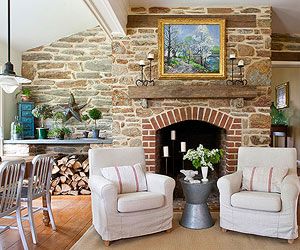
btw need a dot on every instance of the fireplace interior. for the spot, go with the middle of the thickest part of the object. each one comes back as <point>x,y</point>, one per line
<point>193,133</point>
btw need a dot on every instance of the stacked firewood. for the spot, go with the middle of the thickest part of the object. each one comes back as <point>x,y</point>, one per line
<point>70,175</point>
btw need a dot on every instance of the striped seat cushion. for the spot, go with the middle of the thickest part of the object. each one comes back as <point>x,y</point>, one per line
<point>128,179</point>
<point>265,179</point>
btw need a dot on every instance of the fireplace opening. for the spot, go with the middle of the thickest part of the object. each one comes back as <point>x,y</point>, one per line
<point>193,133</point>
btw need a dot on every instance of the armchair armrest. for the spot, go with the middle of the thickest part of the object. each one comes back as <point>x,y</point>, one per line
<point>290,188</point>
<point>161,184</point>
<point>105,190</point>
<point>228,185</point>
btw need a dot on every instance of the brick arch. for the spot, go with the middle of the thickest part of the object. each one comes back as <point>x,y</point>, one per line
<point>218,118</point>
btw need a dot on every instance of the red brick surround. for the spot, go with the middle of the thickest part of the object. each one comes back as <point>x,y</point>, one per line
<point>220,119</point>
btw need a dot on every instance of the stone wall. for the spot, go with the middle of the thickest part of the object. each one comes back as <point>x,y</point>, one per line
<point>81,64</point>
<point>285,47</point>
<point>135,126</point>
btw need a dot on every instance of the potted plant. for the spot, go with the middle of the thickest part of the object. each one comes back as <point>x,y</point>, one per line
<point>203,158</point>
<point>59,132</point>
<point>95,114</point>
<point>25,94</point>
<point>278,117</point>
<point>42,112</point>
<point>85,119</point>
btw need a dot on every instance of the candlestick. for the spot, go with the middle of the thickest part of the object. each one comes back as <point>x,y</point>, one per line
<point>182,159</point>
<point>241,63</point>
<point>232,56</point>
<point>166,151</point>
<point>183,147</point>
<point>142,63</point>
<point>150,56</point>
<point>173,135</point>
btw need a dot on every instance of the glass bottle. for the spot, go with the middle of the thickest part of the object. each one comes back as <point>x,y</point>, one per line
<point>16,129</point>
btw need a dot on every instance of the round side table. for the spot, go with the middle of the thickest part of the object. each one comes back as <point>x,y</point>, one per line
<point>196,213</point>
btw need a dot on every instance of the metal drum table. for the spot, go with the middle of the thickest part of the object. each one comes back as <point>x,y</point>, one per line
<point>196,213</point>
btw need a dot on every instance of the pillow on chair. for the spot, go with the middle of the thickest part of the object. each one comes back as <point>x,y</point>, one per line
<point>265,179</point>
<point>128,179</point>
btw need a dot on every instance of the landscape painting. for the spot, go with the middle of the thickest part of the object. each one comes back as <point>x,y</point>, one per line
<point>192,48</point>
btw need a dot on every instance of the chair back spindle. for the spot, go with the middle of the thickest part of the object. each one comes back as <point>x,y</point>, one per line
<point>40,175</point>
<point>11,179</point>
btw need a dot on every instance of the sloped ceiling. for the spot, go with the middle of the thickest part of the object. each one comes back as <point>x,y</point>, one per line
<point>38,22</point>
<point>285,13</point>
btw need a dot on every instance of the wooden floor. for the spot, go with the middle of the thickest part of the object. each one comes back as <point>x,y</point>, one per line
<point>72,215</point>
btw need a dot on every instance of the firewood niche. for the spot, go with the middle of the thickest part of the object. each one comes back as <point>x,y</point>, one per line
<point>70,175</point>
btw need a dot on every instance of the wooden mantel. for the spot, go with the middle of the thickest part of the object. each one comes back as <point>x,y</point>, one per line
<point>192,92</point>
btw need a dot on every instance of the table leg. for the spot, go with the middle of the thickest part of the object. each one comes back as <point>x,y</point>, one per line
<point>46,218</point>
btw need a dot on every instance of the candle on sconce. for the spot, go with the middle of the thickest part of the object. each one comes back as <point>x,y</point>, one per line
<point>150,56</point>
<point>240,63</point>
<point>142,63</point>
<point>183,147</point>
<point>232,56</point>
<point>166,151</point>
<point>173,135</point>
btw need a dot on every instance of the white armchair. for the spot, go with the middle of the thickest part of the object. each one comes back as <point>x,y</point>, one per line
<point>261,213</point>
<point>117,216</point>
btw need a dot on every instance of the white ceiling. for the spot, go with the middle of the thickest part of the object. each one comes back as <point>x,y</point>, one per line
<point>285,13</point>
<point>38,22</point>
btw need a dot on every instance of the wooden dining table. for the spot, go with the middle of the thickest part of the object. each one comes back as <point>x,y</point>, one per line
<point>28,160</point>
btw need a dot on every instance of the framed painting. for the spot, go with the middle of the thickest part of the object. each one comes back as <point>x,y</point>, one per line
<point>282,95</point>
<point>191,48</point>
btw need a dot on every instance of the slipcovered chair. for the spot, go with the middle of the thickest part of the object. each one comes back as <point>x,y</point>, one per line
<point>117,216</point>
<point>270,214</point>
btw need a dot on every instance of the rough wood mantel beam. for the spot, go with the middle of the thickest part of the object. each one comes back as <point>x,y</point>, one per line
<point>151,21</point>
<point>192,92</point>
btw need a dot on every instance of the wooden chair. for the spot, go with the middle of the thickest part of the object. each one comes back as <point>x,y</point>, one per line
<point>11,179</point>
<point>38,186</point>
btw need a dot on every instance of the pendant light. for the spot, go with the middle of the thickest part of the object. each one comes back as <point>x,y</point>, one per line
<point>9,81</point>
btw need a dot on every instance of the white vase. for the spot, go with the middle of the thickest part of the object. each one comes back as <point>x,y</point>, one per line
<point>204,171</point>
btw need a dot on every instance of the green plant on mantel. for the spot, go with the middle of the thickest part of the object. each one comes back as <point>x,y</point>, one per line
<point>85,119</point>
<point>59,132</point>
<point>42,112</point>
<point>95,114</point>
<point>19,129</point>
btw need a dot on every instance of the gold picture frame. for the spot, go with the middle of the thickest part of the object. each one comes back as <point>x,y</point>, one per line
<point>282,95</point>
<point>197,50</point>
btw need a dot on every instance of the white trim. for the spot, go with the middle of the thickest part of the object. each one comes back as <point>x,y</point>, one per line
<point>107,17</point>
<point>1,122</point>
<point>285,64</point>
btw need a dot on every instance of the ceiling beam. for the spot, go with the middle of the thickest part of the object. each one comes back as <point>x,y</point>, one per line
<point>111,15</point>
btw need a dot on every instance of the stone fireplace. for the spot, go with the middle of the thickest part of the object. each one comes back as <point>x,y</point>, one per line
<point>243,119</point>
<point>93,67</point>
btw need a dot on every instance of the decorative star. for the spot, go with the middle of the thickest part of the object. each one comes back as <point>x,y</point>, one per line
<point>72,109</point>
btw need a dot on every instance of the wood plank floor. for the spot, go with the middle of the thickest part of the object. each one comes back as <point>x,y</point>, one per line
<point>72,215</point>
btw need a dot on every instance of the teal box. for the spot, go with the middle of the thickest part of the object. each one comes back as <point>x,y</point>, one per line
<point>26,118</point>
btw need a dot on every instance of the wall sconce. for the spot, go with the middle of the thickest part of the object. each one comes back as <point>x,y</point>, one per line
<point>142,81</point>
<point>240,65</point>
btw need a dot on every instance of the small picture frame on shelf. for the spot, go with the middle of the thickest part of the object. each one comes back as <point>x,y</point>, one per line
<point>282,95</point>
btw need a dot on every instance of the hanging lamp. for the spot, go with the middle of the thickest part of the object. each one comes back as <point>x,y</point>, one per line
<point>9,81</point>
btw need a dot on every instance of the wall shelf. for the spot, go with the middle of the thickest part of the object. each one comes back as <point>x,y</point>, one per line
<point>60,142</point>
<point>192,92</point>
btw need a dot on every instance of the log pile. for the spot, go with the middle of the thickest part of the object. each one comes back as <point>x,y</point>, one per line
<point>70,175</point>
